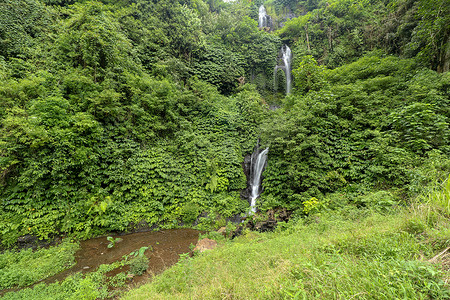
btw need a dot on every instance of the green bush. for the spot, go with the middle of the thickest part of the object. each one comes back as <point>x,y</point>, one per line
<point>139,265</point>
<point>189,212</point>
<point>381,201</point>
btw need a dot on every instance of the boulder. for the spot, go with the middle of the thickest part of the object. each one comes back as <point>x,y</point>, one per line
<point>205,244</point>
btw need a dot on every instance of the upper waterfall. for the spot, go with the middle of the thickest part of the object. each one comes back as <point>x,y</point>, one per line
<point>262,20</point>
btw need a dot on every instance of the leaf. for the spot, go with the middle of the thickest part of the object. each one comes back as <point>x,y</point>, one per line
<point>103,205</point>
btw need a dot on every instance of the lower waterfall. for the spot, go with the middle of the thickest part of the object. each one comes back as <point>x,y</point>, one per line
<point>257,166</point>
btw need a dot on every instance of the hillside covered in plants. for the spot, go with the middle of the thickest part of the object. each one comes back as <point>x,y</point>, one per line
<point>139,113</point>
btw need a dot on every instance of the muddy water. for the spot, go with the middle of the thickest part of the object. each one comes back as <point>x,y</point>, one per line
<point>166,245</point>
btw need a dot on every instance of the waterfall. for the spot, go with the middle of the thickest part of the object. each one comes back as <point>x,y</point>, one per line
<point>262,20</point>
<point>258,163</point>
<point>286,58</point>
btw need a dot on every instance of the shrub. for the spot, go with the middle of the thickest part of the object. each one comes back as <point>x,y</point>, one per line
<point>139,265</point>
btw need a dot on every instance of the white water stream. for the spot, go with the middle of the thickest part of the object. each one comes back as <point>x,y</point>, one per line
<point>258,164</point>
<point>262,17</point>
<point>286,58</point>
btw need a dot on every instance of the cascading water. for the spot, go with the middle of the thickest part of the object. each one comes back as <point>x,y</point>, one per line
<point>258,163</point>
<point>262,20</point>
<point>286,58</point>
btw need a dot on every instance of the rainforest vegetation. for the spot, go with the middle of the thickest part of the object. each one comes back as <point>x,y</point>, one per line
<point>115,114</point>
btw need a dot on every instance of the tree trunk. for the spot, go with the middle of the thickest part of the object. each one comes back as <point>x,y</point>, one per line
<point>307,39</point>
<point>330,41</point>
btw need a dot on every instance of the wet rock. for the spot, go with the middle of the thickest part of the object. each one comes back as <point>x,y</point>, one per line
<point>237,232</point>
<point>273,216</point>
<point>33,242</point>
<point>142,226</point>
<point>27,239</point>
<point>284,215</point>
<point>203,215</point>
<point>264,226</point>
<point>205,244</point>
<point>236,219</point>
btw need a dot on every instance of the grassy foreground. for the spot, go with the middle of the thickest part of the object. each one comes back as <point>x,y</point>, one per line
<point>345,254</point>
<point>19,269</point>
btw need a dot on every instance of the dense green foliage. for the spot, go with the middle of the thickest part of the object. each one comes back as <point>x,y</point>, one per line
<point>340,31</point>
<point>111,120</point>
<point>365,125</point>
<point>118,112</point>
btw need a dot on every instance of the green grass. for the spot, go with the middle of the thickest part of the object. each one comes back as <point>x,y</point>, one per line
<point>346,254</point>
<point>22,268</point>
<point>94,285</point>
<point>438,200</point>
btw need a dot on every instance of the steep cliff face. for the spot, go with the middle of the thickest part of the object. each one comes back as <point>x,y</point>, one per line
<point>283,18</point>
<point>277,17</point>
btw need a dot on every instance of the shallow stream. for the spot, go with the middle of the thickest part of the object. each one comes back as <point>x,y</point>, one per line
<point>164,251</point>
